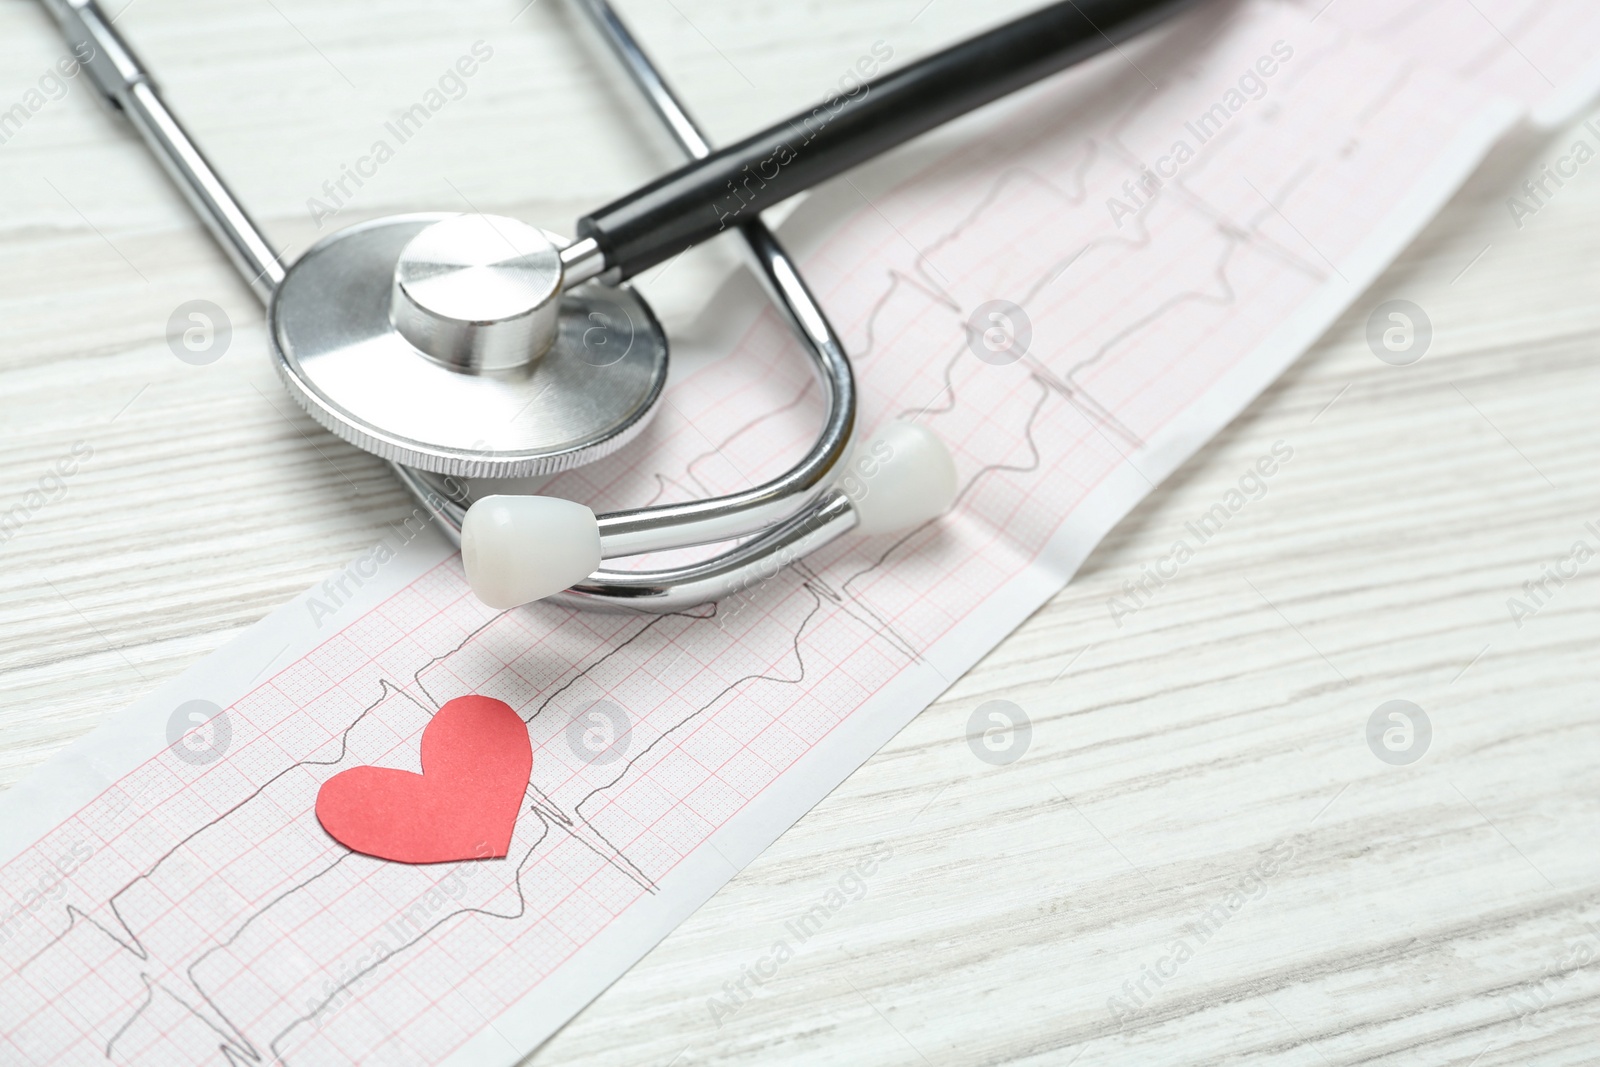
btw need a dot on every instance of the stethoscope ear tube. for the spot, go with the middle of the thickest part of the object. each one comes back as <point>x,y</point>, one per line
<point>734,184</point>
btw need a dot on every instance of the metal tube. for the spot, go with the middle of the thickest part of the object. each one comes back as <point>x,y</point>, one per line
<point>127,87</point>
<point>211,199</point>
<point>729,573</point>
<point>626,533</point>
<point>615,33</point>
<point>580,261</point>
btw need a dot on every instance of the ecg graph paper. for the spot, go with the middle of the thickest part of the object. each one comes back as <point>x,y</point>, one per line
<point>197,914</point>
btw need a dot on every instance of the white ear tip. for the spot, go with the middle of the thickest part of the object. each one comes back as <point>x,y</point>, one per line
<point>901,478</point>
<point>518,549</point>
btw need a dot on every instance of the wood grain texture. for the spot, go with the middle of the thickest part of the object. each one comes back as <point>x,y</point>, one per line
<point>1431,914</point>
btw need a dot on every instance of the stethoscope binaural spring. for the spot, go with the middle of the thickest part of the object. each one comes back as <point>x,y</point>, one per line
<point>474,346</point>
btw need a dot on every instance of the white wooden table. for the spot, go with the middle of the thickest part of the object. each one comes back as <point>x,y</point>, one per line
<point>1199,776</point>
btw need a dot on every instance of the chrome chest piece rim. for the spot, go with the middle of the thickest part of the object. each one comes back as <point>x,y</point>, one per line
<point>438,341</point>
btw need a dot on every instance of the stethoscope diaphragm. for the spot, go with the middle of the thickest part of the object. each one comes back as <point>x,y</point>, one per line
<point>505,397</point>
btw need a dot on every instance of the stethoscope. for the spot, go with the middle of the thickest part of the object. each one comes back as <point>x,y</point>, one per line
<point>471,346</point>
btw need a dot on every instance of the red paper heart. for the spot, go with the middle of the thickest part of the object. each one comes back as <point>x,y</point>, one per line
<point>476,760</point>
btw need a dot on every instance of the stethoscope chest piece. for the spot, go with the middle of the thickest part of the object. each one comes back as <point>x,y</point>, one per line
<point>447,343</point>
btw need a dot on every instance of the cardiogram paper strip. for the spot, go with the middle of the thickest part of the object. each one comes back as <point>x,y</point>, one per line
<point>159,909</point>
